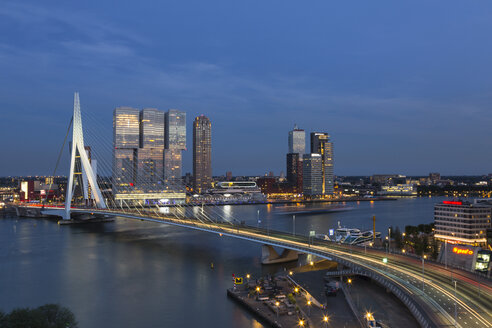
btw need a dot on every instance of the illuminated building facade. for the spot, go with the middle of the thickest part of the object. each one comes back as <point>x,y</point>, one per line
<point>297,148</point>
<point>175,143</point>
<point>312,177</point>
<point>150,155</point>
<point>126,141</point>
<point>462,222</point>
<point>297,141</point>
<point>399,190</point>
<point>152,129</point>
<point>202,154</point>
<point>321,144</point>
<point>141,157</point>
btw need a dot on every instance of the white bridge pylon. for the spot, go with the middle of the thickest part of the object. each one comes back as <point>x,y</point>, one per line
<point>78,146</point>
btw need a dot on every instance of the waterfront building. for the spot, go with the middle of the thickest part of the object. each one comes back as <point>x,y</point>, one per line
<point>150,155</point>
<point>139,156</point>
<point>34,190</point>
<point>294,171</point>
<point>175,143</point>
<point>399,190</point>
<point>312,177</point>
<point>434,178</point>
<point>232,192</point>
<point>297,141</point>
<point>388,179</point>
<point>202,154</point>
<point>126,141</point>
<point>273,188</point>
<point>297,147</point>
<point>152,129</point>
<point>321,144</point>
<point>461,222</point>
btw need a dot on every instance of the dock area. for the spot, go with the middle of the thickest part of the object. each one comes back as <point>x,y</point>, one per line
<point>275,300</point>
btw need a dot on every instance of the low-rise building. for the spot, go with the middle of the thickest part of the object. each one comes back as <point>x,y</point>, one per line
<point>399,190</point>
<point>461,222</point>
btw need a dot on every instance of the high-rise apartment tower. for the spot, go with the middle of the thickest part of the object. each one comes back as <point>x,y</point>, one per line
<point>312,178</point>
<point>202,154</point>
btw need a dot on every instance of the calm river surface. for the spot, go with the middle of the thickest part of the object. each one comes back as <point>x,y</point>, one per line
<point>137,274</point>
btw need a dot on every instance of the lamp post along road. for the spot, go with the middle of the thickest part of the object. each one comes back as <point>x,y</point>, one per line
<point>446,254</point>
<point>423,283</point>
<point>389,240</point>
<point>455,306</point>
<point>293,225</point>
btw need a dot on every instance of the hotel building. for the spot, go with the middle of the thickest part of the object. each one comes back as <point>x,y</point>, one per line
<point>461,222</point>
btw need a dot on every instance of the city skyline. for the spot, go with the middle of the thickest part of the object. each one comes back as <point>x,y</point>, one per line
<point>375,91</point>
<point>333,158</point>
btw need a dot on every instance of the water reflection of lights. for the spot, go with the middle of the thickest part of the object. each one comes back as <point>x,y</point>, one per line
<point>227,211</point>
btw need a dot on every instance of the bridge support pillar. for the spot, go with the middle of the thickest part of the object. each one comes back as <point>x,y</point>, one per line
<point>78,149</point>
<point>270,256</point>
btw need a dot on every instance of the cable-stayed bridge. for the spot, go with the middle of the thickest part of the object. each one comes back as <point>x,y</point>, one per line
<point>437,297</point>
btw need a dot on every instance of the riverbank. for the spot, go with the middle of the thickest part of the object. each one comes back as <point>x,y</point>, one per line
<point>311,201</point>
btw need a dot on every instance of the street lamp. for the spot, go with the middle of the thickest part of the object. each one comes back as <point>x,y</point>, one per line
<point>446,253</point>
<point>296,290</point>
<point>277,304</point>
<point>455,308</point>
<point>293,225</point>
<point>309,308</point>
<point>423,261</point>
<point>301,323</point>
<point>291,273</point>
<point>311,263</point>
<point>325,320</point>
<point>389,240</point>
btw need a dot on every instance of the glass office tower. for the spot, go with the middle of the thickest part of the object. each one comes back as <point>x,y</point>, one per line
<point>320,144</point>
<point>297,141</point>
<point>175,141</point>
<point>150,155</point>
<point>126,133</point>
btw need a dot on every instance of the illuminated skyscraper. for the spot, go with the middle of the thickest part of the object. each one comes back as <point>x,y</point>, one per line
<point>202,154</point>
<point>294,171</point>
<point>150,155</point>
<point>297,141</point>
<point>312,177</point>
<point>297,147</point>
<point>320,144</point>
<point>140,138</point>
<point>175,141</point>
<point>126,133</point>
<point>152,128</point>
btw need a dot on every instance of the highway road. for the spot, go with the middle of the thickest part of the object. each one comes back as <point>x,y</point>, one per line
<point>436,296</point>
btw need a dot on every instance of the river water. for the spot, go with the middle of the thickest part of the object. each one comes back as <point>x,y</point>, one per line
<point>130,273</point>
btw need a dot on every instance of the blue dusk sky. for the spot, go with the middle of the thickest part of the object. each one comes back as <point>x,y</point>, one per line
<point>401,86</point>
